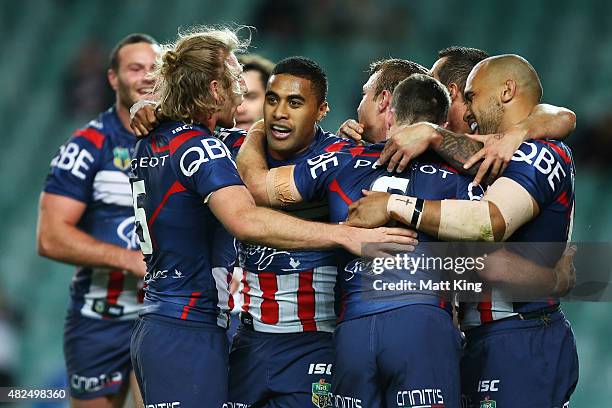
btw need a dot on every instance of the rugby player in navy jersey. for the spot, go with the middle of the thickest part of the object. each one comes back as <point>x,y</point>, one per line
<point>189,201</point>
<point>517,353</point>
<point>86,218</point>
<point>319,167</point>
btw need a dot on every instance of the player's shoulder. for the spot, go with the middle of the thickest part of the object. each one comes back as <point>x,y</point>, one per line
<point>543,153</point>
<point>233,138</point>
<point>95,132</point>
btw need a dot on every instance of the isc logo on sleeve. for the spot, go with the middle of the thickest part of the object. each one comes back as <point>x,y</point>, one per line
<point>195,156</point>
<point>72,158</point>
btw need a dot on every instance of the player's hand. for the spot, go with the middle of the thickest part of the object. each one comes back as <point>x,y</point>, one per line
<point>405,143</point>
<point>369,211</point>
<point>351,129</point>
<point>393,239</point>
<point>142,117</point>
<point>496,154</point>
<point>135,264</point>
<point>565,272</point>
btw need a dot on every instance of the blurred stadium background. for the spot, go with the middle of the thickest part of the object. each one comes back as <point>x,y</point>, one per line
<point>53,61</point>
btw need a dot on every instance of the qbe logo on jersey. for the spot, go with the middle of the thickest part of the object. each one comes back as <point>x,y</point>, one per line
<point>195,156</point>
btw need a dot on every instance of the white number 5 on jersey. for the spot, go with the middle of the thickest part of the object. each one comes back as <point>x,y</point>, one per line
<point>142,229</point>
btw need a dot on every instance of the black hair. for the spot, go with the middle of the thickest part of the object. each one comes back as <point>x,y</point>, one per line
<point>306,68</point>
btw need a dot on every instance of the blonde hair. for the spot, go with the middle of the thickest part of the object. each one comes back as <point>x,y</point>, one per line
<point>186,68</point>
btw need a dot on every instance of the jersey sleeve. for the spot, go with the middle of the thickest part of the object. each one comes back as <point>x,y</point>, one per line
<point>73,169</point>
<point>542,168</point>
<point>203,164</point>
<point>313,176</point>
<point>233,139</point>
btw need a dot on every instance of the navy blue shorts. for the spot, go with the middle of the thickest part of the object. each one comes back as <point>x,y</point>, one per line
<point>280,369</point>
<point>405,357</point>
<point>97,354</point>
<point>180,363</point>
<point>520,363</point>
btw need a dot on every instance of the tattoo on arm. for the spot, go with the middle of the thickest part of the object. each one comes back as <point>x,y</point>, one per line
<point>456,149</point>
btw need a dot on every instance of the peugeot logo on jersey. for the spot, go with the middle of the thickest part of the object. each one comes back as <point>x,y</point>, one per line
<point>195,156</point>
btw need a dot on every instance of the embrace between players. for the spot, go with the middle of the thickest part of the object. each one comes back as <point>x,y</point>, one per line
<point>298,287</point>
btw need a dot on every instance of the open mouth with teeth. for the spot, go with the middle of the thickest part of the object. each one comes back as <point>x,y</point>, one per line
<point>144,91</point>
<point>473,126</point>
<point>280,131</point>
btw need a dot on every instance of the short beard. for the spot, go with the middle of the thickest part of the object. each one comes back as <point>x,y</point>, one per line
<point>491,118</point>
<point>125,95</point>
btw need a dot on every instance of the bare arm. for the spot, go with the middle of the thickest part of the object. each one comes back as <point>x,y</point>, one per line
<point>476,155</point>
<point>526,279</point>
<point>506,206</point>
<point>236,210</point>
<point>252,165</point>
<point>59,238</point>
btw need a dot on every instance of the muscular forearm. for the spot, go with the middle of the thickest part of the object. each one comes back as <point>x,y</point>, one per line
<point>548,122</point>
<point>252,165</point>
<point>449,220</point>
<point>517,275</point>
<point>278,230</point>
<point>67,243</point>
<point>456,149</point>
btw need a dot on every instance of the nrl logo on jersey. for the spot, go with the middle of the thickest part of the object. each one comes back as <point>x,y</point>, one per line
<point>321,394</point>
<point>487,403</point>
<point>121,158</point>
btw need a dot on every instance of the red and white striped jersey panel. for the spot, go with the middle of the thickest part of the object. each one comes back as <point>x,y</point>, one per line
<point>290,303</point>
<point>115,288</point>
<point>494,306</point>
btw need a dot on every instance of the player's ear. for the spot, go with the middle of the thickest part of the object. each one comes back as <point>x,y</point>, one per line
<point>384,100</point>
<point>113,80</point>
<point>454,91</point>
<point>323,109</point>
<point>214,89</point>
<point>508,91</point>
<point>390,118</point>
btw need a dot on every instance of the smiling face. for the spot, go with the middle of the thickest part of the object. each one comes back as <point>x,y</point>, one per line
<point>131,81</point>
<point>484,111</point>
<point>291,111</point>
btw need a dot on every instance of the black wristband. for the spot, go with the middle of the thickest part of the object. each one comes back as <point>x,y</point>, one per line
<point>418,210</point>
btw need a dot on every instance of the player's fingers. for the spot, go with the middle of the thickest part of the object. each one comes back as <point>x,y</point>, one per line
<point>367,192</point>
<point>405,232</point>
<point>482,171</point>
<point>388,151</point>
<point>151,120</point>
<point>395,159</point>
<point>403,163</point>
<point>476,157</point>
<point>494,173</point>
<point>351,134</point>
<point>143,130</point>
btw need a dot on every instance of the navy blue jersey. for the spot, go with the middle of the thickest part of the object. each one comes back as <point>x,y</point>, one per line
<point>292,291</point>
<point>188,251</point>
<point>92,167</point>
<point>546,170</point>
<point>341,176</point>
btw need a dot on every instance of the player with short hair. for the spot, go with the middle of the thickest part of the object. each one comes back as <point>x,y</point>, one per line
<point>189,200</point>
<point>86,219</point>
<point>284,346</point>
<point>452,68</point>
<point>517,353</point>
